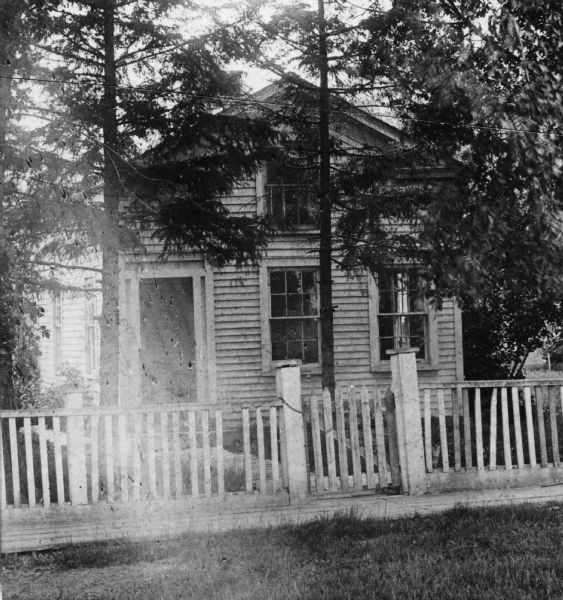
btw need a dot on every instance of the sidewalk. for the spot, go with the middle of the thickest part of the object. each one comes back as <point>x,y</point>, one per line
<point>61,526</point>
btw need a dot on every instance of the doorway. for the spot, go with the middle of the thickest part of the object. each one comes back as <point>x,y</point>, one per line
<point>168,346</point>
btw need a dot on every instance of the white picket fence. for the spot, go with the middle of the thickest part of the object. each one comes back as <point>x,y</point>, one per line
<point>487,426</point>
<point>353,441</point>
<point>92,455</point>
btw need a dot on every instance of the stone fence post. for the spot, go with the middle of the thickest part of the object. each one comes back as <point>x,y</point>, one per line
<point>76,451</point>
<point>408,418</point>
<point>288,383</point>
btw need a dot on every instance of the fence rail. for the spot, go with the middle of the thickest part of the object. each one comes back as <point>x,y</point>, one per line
<point>114,454</point>
<point>492,425</point>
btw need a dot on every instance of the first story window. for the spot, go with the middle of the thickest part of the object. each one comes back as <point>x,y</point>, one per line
<point>402,315</point>
<point>294,315</point>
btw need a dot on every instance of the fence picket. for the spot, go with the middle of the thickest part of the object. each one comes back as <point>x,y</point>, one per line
<point>540,396</point>
<point>530,427</point>
<point>165,455</point>
<point>151,454</point>
<point>505,429</point>
<point>176,453</point>
<point>108,432</point>
<point>443,435</point>
<point>206,453</point>
<point>317,451</point>
<point>341,433</point>
<point>553,423</point>
<point>329,440</point>
<point>479,431</point>
<point>29,462</point>
<point>219,451</point>
<point>283,455</point>
<point>355,438</point>
<point>517,428</point>
<point>246,445</point>
<point>391,417</point>
<point>456,402</point>
<point>44,461</point>
<point>380,442</point>
<point>15,461</point>
<point>3,499</point>
<point>467,428</point>
<point>427,431</point>
<point>58,461</point>
<point>368,438</point>
<point>274,448</point>
<point>137,445</point>
<point>123,456</point>
<point>493,432</point>
<point>194,469</point>
<point>261,453</point>
<point>94,465</point>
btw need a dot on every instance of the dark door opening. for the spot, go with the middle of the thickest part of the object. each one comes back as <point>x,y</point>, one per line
<point>168,348</point>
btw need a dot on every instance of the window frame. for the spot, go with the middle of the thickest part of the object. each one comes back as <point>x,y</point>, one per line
<point>263,195</point>
<point>268,364</point>
<point>379,363</point>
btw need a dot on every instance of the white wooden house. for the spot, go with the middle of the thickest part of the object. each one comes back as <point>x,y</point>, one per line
<point>189,332</point>
<point>193,333</point>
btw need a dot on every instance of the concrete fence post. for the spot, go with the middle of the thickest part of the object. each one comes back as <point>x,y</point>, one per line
<point>76,451</point>
<point>288,382</point>
<point>408,418</point>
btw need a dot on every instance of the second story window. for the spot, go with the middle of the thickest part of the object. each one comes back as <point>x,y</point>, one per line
<point>290,194</point>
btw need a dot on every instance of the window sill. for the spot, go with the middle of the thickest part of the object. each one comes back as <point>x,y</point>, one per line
<point>313,369</point>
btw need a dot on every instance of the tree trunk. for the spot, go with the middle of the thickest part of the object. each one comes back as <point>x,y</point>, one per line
<point>10,32</point>
<point>109,325</point>
<point>325,224</point>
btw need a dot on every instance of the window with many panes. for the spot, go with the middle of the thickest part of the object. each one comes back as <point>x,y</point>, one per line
<point>402,317</point>
<point>290,197</point>
<point>294,315</point>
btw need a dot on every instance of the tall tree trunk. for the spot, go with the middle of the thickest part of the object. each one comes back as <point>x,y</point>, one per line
<point>325,225</point>
<point>109,326</point>
<point>10,39</point>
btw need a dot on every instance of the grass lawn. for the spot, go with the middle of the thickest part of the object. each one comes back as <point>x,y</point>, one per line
<point>482,554</point>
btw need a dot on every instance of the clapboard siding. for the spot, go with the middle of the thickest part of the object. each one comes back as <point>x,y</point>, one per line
<point>238,329</point>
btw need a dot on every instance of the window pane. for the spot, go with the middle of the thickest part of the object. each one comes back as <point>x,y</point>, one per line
<point>295,350</point>
<point>310,304</point>
<point>293,279</point>
<point>294,305</point>
<point>384,345</point>
<point>386,302</point>
<point>278,305</point>
<point>311,351</point>
<point>277,282</point>
<point>310,329</point>
<point>309,285</point>
<point>294,329</point>
<point>278,330</point>
<point>279,351</point>
<point>386,326</point>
